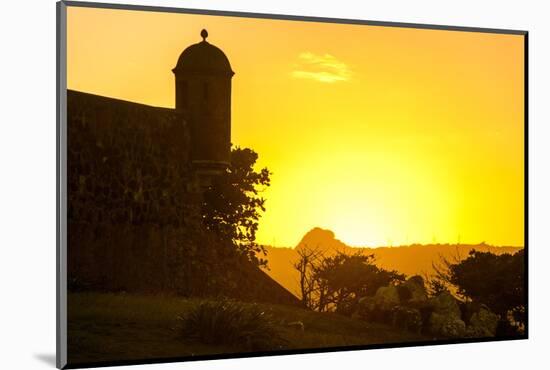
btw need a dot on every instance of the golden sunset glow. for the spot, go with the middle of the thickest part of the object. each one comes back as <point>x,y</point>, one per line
<point>384,135</point>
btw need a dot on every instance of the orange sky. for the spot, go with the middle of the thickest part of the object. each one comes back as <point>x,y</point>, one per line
<point>383,135</point>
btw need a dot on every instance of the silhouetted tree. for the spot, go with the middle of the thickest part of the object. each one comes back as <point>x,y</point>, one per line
<point>484,277</point>
<point>233,205</point>
<point>306,266</point>
<point>337,282</point>
<point>348,277</point>
<point>435,286</point>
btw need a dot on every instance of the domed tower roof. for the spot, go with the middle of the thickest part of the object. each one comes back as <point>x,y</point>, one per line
<point>203,57</point>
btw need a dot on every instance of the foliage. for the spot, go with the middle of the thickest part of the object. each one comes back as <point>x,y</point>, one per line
<point>505,328</point>
<point>404,293</point>
<point>231,323</point>
<point>306,266</point>
<point>494,280</point>
<point>233,205</point>
<point>337,282</point>
<point>350,276</point>
<point>435,285</point>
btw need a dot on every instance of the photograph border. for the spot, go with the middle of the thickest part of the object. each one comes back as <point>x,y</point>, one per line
<point>61,176</point>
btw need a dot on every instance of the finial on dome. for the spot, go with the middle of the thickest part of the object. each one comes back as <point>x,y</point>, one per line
<point>204,34</point>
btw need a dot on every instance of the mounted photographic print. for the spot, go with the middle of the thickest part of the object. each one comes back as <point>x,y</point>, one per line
<point>235,185</point>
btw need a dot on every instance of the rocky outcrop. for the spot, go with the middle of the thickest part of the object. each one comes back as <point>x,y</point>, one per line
<point>413,290</point>
<point>380,306</point>
<point>482,322</point>
<point>446,318</point>
<point>407,306</point>
<point>387,297</point>
<point>407,318</point>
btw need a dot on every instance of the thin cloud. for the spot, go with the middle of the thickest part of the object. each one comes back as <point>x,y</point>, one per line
<point>322,68</point>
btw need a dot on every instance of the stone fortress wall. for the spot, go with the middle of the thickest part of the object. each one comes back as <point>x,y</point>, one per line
<point>132,208</point>
<point>127,191</point>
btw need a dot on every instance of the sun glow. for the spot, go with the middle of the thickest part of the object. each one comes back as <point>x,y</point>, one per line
<point>383,135</point>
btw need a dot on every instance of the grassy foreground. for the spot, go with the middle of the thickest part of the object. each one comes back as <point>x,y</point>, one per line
<point>109,327</point>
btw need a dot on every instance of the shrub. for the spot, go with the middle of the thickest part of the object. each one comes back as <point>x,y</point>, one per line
<point>506,329</point>
<point>231,323</point>
<point>404,293</point>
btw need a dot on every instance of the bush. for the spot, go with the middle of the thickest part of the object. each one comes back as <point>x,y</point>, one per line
<point>231,323</point>
<point>494,280</point>
<point>404,293</point>
<point>506,329</point>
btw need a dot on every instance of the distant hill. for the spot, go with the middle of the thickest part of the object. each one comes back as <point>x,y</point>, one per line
<point>408,259</point>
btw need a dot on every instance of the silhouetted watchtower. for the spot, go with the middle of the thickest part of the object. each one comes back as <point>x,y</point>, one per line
<point>203,93</point>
